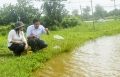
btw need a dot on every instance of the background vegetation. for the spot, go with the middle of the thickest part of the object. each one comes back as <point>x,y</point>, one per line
<point>52,14</point>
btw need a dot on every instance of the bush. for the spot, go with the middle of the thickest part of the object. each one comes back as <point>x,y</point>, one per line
<point>12,25</point>
<point>75,21</point>
<point>46,21</point>
<point>57,23</point>
<point>3,33</point>
<point>70,22</point>
<point>66,22</point>
<point>54,28</point>
<point>5,29</point>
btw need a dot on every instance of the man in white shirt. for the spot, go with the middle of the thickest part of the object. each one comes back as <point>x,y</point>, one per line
<point>33,35</point>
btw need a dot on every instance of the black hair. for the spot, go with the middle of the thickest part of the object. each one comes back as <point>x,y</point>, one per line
<point>35,20</point>
<point>17,31</point>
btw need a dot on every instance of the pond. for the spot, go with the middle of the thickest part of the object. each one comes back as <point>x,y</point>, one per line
<point>96,58</point>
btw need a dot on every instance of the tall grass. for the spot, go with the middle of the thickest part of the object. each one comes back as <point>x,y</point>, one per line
<point>11,66</point>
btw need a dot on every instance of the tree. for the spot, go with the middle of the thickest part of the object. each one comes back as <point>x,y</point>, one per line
<point>86,11</point>
<point>99,12</point>
<point>75,13</point>
<point>7,14</point>
<point>117,11</point>
<point>53,11</point>
<point>65,13</point>
<point>23,11</point>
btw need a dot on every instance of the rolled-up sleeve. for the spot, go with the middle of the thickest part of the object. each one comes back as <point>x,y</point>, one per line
<point>28,31</point>
<point>10,35</point>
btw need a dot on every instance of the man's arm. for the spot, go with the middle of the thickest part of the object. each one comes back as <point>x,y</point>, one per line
<point>28,34</point>
<point>32,36</point>
<point>47,31</point>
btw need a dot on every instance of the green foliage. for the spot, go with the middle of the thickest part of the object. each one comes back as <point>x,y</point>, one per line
<point>66,22</point>
<point>115,14</point>
<point>99,12</point>
<point>57,24</point>
<point>7,14</point>
<point>5,29</point>
<point>70,22</point>
<point>86,12</point>
<point>26,12</point>
<point>54,28</point>
<point>23,11</point>
<point>3,33</point>
<point>46,21</point>
<point>75,13</point>
<point>75,21</point>
<point>53,10</point>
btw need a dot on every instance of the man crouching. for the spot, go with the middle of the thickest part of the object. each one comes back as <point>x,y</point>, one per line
<point>33,35</point>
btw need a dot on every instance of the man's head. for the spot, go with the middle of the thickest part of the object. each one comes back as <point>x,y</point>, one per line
<point>36,23</point>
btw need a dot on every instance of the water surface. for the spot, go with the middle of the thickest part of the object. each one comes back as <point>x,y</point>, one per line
<point>97,58</point>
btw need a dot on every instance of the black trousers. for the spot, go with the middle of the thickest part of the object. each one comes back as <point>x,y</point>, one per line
<point>17,48</point>
<point>36,44</point>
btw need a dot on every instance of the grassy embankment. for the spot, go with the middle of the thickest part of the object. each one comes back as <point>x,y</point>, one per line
<point>11,66</point>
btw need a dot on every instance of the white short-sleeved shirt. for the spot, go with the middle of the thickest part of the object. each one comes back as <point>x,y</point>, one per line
<point>14,36</point>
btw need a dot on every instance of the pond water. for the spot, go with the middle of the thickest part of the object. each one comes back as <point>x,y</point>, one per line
<point>96,58</point>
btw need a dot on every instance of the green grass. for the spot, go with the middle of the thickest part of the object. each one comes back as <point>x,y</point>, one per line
<point>11,66</point>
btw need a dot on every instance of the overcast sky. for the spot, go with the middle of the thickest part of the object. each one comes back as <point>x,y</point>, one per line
<point>75,4</point>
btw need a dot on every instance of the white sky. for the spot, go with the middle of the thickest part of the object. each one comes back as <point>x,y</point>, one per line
<point>75,4</point>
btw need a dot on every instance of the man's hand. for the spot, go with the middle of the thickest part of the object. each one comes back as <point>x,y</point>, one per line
<point>46,29</point>
<point>35,36</point>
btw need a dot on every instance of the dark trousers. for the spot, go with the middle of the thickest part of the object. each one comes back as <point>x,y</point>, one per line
<point>17,48</point>
<point>36,44</point>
